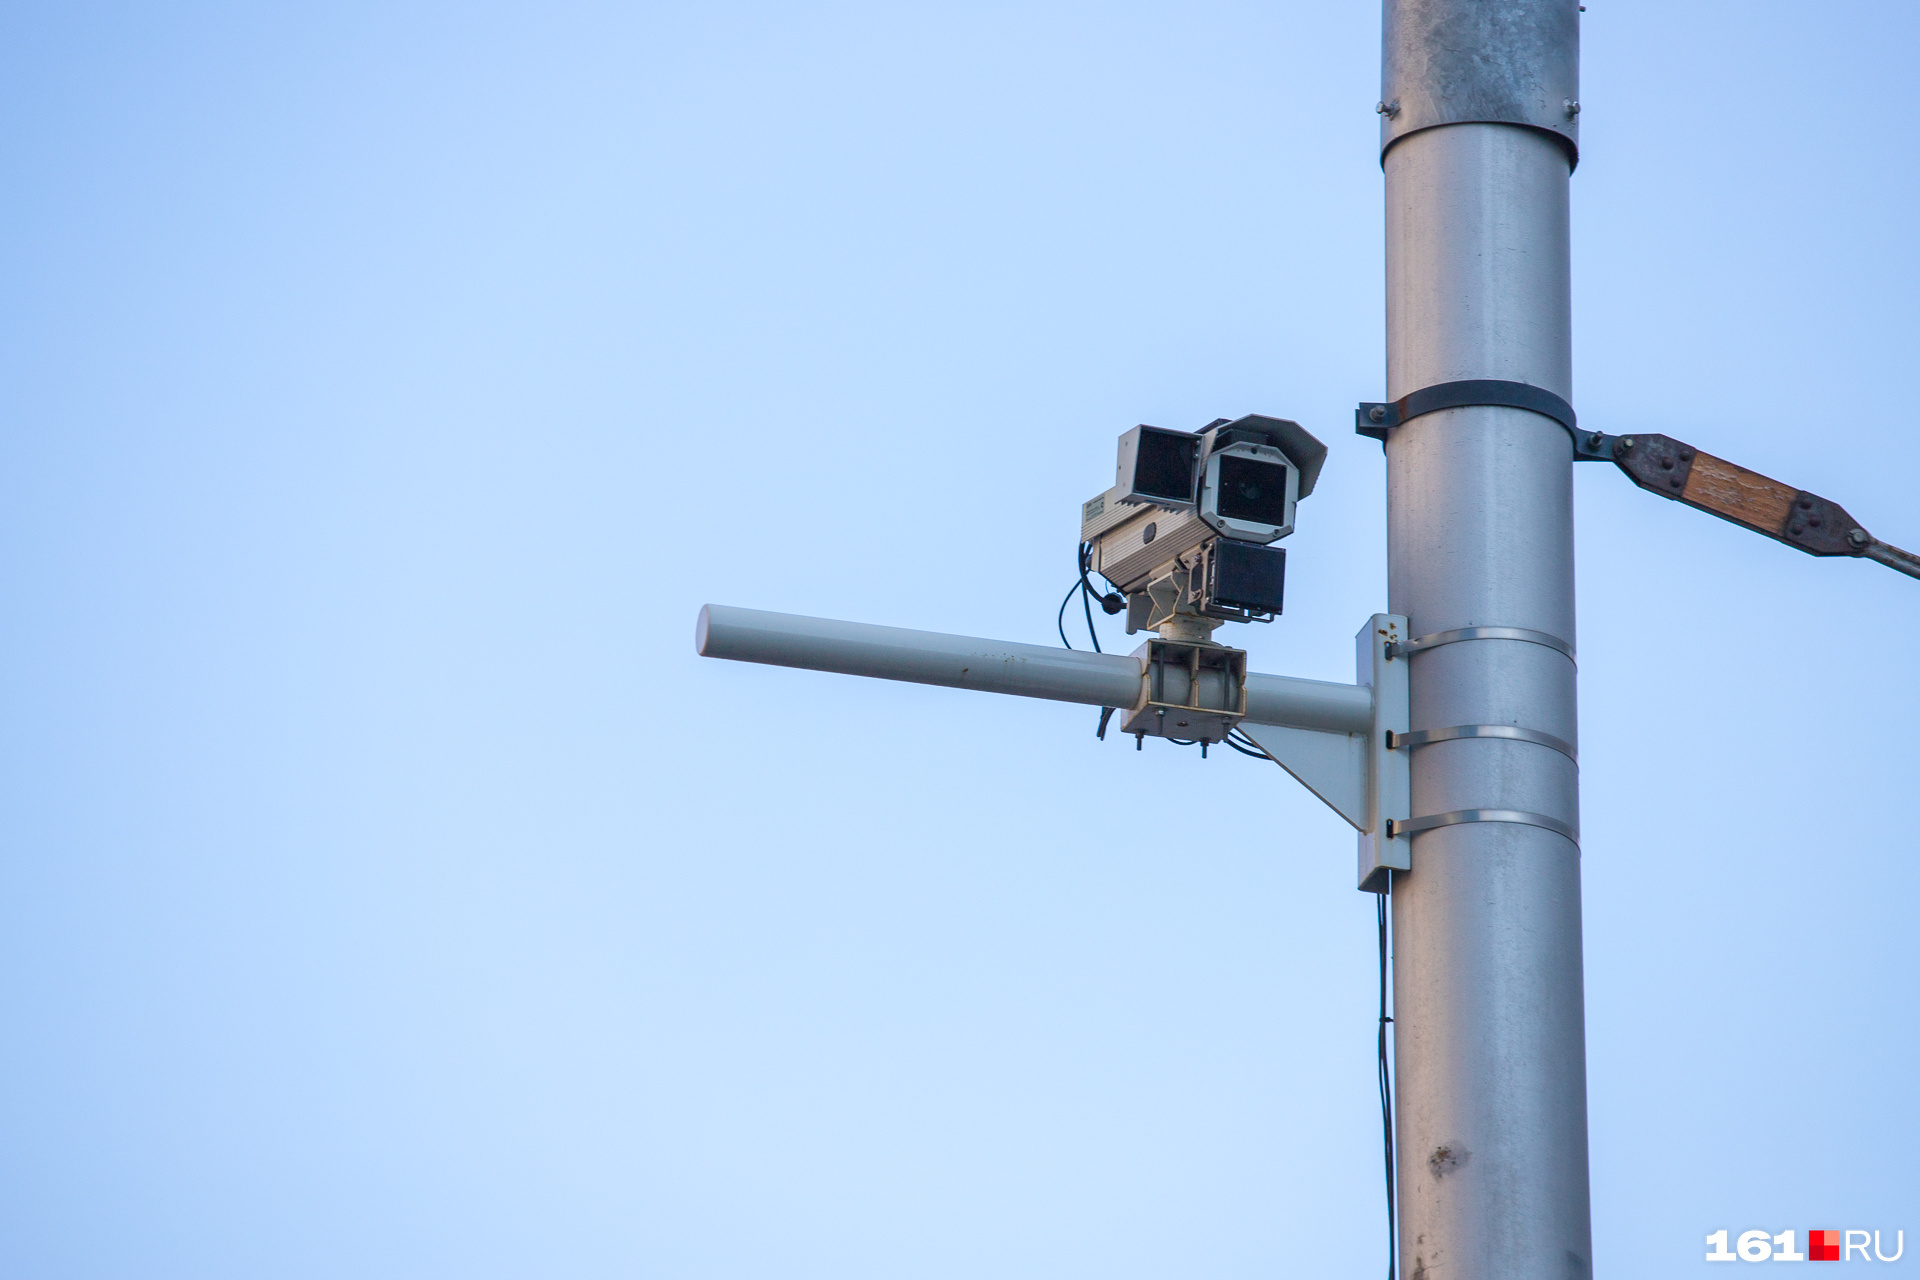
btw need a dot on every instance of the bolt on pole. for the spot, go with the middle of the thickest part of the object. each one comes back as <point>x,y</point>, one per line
<point>1479,137</point>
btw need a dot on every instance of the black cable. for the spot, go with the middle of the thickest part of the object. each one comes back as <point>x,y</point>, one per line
<point>1245,739</point>
<point>1060,615</point>
<point>1110,601</point>
<point>1083,561</point>
<point>1385,1073</point>
<point>1257,755</point>
<point>1386,1078</point>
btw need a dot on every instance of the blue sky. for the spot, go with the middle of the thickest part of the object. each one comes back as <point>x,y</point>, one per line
<point>388,890</point>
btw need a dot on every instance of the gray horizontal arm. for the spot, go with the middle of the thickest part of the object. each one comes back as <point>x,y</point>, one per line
<point>922,657</point>
<point>998,666</point>
<point>1309,704</point>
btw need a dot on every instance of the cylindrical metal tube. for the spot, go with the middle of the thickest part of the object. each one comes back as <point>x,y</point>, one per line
<point>1489,1018</point>
<point>999,666</point>
<point>1309,704</point>
<point>920,657</point>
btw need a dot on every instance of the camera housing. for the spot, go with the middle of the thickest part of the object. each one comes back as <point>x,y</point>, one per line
<point>1183,533</point>
<point>1157,467</point>
<point>1242,578</point>
<point>1248,491</point>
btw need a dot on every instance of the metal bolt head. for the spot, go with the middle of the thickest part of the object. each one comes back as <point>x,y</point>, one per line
<point>1857,538</point>
<point>1377,414</point>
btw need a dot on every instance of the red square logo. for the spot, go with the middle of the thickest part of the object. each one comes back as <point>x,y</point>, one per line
<point>1823,1246</point>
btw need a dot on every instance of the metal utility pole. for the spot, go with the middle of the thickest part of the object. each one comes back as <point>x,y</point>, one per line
<point>1478,133</point>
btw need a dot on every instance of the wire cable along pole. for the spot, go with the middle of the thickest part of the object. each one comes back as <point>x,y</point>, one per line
<point>1479,115</point>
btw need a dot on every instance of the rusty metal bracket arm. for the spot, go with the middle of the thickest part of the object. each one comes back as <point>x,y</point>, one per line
<point>1816,525</point>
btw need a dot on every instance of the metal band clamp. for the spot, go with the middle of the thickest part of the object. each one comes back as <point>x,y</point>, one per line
<point>1439,638</point>
<point>1376,420</point>
<point>1409,826</point>
<point>1421,737</point>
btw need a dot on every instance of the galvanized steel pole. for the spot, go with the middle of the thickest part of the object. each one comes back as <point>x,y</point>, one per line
<point>1479,138</point>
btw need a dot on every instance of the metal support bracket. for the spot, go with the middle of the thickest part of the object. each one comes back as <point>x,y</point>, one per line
<point>1382,850</point>
<point>1331,736</point>
<point>1594,446</point>
<point>1357,774</point>
<point>1377,419</point>
<point>1196,692</point>
<point>1816,525</point>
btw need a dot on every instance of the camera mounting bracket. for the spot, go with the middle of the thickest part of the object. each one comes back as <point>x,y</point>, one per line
<point>1332,737</point>
<point>1354,770</point>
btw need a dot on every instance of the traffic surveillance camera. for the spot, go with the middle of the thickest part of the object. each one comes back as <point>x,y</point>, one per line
<point>1184,533</point>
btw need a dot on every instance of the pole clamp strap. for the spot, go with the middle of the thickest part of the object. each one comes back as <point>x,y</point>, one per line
<point>1513,733</point>
<point>1400,648</point>
<point>1376,419</point>
<point>1409,826</point>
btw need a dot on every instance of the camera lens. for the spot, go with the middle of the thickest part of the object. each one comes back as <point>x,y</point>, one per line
<point>1253,491</point>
